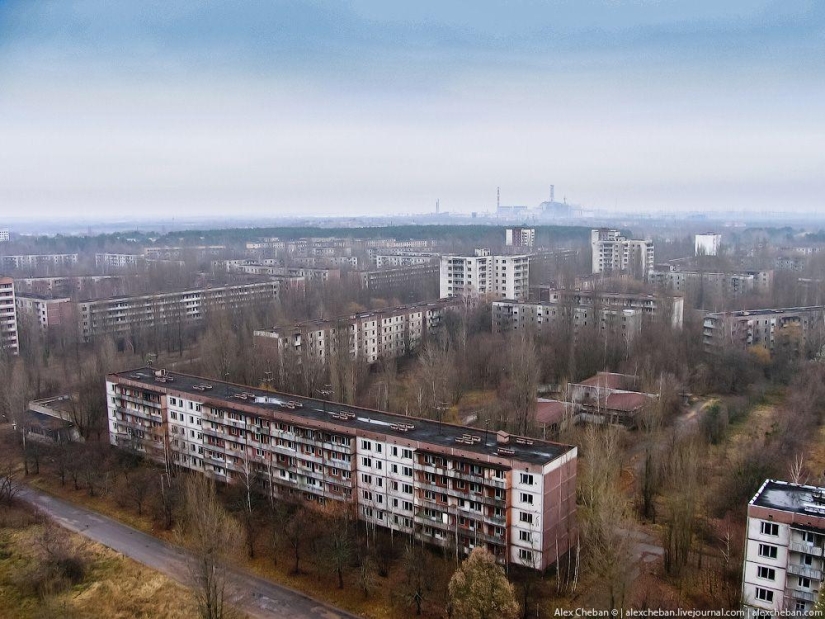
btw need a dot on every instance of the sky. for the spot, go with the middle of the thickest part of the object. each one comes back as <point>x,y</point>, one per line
<point>281,108</point>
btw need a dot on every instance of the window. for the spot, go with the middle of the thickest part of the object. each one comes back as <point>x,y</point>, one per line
<point>525,517</point>
<point>766,550</point>
<point>406,453</point>
<point>366,461</point>
<point>366,445</point>
<point>407,489</point>
<point>407,471</point>
<point>367,479</point>
<point>394,452</point>
<point>527,498</point>
<point>770,528</point>
<point>764,594</point>
<point>808,537</point>
<point>527,556</point>
<point>804,582</point>
<point>526,479</point>
<point>525,536</point>
<point>768,573</point>
<point>807,559</point>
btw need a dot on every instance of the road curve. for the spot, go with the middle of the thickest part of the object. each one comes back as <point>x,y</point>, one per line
<point>258,598</point>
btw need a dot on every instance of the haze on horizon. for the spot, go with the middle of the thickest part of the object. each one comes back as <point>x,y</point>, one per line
<point>180,107</point>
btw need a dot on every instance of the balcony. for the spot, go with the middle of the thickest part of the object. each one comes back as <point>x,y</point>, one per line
<point>796,594</point>
<point>805,548</point>
<point>804,570</point>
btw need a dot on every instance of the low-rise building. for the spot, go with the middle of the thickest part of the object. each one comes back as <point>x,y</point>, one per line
<point>8,317</point>
<point>783,567</point>
<point>444,484</point>
<point>611,398</point>
<point>52,420</point>
<point>797,326</point>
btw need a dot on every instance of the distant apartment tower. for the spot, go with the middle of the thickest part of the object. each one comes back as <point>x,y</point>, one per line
<point>783,568</point>
<point>520,237</point>
<point>800,326</point>
<point>366,336</point>
<point>404,283</point>
<point>712,284</point>
<point>613,253</point>
<point>501,277</point>
<point>8,317</point>
<point>443,484</point>
<point>4,235</point>
<point>707,244</point>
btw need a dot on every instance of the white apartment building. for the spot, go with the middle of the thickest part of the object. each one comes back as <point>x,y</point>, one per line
<point>446,485</point>
<point>113,262</point>
<point>613,253</point>
<point>8,317</point>
<point>520,237</point>
<point>783,567</point>
<point>394,260</point>
<point>707,244</point>
<point>35,261</point>
<point>501,277</point>
<point>387,333</point>
<point>4,235</point>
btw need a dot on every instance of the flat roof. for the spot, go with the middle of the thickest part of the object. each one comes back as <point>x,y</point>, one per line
<point>444,435</point>
<point>769,311</point>
<point>793,498</point>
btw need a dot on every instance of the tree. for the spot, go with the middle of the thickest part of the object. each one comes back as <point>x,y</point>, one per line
<point>210,535</point>
<point>479,589</point>
<point>522,379</point>
<point>337,543</point>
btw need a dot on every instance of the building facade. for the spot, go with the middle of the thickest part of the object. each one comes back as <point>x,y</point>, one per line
<point>113,262</point>
<point>624,324</point>
<point>783,567</point>
<point>8,317</point>
<point>672,306</point>
<point>369,336</point>
<point>520,237</point>
<point>801,327</point>
<point>707,244</point>
<point>417,280</point>
<point>4,235</point>
<point>48,312</point>
<point>446,485</point>
<point>122,315</point>
<point>33,262</point>
<point>613,253</point>
<point>484,275</point>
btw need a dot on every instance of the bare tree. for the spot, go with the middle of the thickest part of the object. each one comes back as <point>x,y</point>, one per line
<point>210,534</point>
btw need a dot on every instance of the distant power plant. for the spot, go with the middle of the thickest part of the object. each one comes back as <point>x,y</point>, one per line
<point>549,209</point>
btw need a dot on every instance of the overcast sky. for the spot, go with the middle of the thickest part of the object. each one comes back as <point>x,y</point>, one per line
<point>374,106</point>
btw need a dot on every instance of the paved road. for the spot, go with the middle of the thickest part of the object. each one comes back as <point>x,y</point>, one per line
<point>255,596</point>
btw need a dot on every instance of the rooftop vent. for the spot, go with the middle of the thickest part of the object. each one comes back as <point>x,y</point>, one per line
<point>505,451</point>
<point>402,427</point>
<point>524,441</point>
<point>502,438</point>
<point>343,416</point>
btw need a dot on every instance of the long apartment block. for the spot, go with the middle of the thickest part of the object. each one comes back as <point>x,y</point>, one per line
<point>625,323</point>
<point>447,485</point>
<point>611,252</point>
<point>8,317</point>
<point>123,314</point>
<point>37,261</point>
<point>672,306</point>
<point>386,333</point>
<point>763,327</point>
<point>783,568</point>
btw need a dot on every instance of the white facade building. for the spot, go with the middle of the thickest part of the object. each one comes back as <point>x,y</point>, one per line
<point>501,277</point>
<point>613,253</point>
<point>8,317</point>
<point>707,244</point>
<point>444,484</point>
<point>783,568</point>
<point>4,235</point>
<point>520,237</point>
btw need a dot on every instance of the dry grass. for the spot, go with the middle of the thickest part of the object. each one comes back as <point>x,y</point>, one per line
<point>114,587</point>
